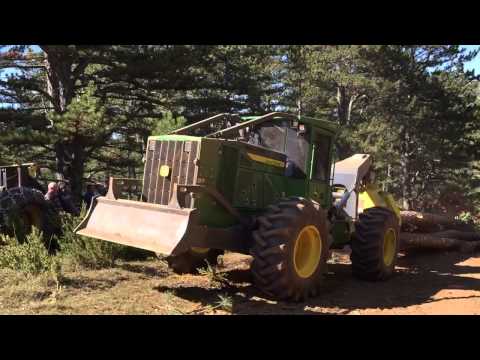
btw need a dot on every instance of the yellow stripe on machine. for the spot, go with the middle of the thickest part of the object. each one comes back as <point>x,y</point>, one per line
<point>266,160</point>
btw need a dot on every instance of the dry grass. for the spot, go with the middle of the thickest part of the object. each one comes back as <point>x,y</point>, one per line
<point>426,283</point>
<point>20,292</point>
<point>129,288</point>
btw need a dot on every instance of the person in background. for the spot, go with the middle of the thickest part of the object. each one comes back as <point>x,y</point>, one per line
<point>89,194</point>
<point>52,196</point>
<point>65,196</point>
<point>102,189</point>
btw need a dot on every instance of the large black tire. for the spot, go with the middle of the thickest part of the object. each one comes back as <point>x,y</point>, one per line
<point>291,249</point>
<point>375,244</point>
<point>189,262</point>
<point>21,208</point>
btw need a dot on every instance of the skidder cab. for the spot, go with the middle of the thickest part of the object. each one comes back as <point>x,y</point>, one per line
<point>261,185</point>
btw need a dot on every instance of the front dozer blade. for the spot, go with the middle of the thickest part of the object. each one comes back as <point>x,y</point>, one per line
<point>158,228</point>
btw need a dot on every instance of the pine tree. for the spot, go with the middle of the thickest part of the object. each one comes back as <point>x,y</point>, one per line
<point>427,104</point>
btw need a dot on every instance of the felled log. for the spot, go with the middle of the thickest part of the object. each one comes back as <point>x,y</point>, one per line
<point>438,241</point>
<point>426,219</point>
<point>460,235</point>
<point>413,221</point>
<point>425,230</point>
<point>428,241</point>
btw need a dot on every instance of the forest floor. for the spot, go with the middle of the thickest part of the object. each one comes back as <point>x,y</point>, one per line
<point>425,283</point>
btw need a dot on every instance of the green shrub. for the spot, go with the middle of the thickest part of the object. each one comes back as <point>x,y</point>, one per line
<point>468,218</point>
<point>33,258</point>
<point>30,257</point>
<point>215,278</point>
<point>83,251</point>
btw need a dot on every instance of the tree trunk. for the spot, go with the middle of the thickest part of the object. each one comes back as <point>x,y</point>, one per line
<point>351,102</point>
<point>405,170</point>
<point>62,160</point>
<point>60,87</point>
<point>76,171</point>
<point>60,83</point>
<point>342,105</point>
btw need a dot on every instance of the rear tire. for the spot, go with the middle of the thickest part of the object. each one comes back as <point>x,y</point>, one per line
<point>192,260</point>
<point>21,208</point>
<point>375,244</point>
<point>291,249</point>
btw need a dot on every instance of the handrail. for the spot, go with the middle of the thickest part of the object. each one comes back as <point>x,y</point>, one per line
<point>257,120</point>
<point>201,123</point>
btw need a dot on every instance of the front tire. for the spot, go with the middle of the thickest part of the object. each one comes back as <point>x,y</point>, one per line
<point>291,249</point>
<point>375,244</point>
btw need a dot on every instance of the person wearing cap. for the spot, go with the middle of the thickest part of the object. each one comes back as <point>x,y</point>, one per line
<point>102,189</point>
<point>89,194</point>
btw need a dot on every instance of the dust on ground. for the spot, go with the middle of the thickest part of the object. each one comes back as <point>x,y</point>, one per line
<point>425,283</point>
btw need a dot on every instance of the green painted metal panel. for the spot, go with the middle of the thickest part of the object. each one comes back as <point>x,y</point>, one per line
<point>211,173</point>
<point>228,172</point>
<point>249,190</point>
<point>320,192</point>
<point>296,187</point>
<point>243,188</point>
<point>213,214</point>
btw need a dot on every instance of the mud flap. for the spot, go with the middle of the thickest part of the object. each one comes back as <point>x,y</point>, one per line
<point>158,228</point>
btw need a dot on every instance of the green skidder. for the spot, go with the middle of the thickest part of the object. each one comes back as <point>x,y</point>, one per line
<point>265,186</point>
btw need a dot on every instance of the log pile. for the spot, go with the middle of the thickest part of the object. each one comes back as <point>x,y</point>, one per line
<point>424,230</point>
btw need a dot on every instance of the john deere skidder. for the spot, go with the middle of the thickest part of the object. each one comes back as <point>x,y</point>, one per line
<point>22,204</point>
<point>264,186</point>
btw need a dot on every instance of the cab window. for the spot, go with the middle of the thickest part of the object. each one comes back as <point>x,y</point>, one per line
<point>321,157</point>
<point>270,134</point>
<point>285,137</point>
<point>298,144</point>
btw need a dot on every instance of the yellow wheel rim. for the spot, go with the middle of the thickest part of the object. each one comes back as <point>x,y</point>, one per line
<point>200,250</point>
<point>389,246</point>
<point>307,251</point>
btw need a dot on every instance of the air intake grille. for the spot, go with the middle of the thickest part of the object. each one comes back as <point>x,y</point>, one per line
<point>180,157</point>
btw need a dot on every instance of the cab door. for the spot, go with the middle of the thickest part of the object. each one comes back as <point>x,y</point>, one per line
<point>320,165</point>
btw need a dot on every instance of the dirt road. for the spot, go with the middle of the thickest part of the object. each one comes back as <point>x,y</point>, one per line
<point>426,283</point>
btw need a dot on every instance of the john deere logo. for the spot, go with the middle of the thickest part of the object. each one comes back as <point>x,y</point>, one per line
<point>164,171</point>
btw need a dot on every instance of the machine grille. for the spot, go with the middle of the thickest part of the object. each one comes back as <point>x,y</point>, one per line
<point>180,157</point>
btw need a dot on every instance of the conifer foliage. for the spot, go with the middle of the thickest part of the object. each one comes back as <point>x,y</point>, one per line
<point>87,111</point>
